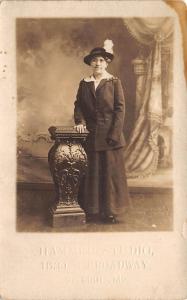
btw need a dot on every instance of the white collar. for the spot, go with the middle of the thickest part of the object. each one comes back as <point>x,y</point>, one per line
<point>106,75</point>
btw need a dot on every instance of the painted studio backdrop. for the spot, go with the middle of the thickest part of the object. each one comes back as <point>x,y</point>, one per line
<point>50,66</point>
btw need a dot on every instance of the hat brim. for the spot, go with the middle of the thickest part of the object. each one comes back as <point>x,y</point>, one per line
<point>107,56</point>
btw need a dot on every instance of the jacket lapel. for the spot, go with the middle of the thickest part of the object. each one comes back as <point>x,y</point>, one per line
<point>92,88</point>
<point>101,83</point>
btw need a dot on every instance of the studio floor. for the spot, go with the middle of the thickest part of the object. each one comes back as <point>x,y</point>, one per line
<point>151,207</point>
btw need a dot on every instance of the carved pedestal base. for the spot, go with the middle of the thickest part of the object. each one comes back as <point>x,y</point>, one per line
<point>68,163</point>
<point>67,216</point>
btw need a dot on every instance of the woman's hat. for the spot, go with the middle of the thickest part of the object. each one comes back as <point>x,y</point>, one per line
<point>101,51</point>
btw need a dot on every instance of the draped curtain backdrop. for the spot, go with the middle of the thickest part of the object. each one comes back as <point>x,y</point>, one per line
<point>142,151</point>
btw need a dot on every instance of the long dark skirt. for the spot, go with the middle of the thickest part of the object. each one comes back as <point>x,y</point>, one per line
<point>105,188</point>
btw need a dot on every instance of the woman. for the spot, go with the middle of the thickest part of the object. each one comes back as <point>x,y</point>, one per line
<point>100,108</point>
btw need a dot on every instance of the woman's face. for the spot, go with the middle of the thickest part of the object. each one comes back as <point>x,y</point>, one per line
<point>99,65</point>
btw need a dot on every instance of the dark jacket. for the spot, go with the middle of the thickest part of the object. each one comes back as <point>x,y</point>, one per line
<point>102,111</point>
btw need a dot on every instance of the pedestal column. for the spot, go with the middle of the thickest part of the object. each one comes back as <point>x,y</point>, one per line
<point>68,163</point>
<point>140,70</point>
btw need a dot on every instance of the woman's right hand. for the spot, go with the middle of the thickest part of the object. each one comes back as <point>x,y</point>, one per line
<point>80,128</point>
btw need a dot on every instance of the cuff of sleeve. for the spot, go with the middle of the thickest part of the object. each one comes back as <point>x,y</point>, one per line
<point>80,122</point>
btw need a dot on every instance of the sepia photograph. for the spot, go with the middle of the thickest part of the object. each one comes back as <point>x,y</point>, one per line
<point>94,124</point>
<point>93,150</point>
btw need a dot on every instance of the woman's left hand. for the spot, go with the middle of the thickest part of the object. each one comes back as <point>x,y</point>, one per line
<point>111,142</point>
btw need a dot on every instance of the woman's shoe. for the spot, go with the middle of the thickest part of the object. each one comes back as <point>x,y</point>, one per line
<point>109,219</point>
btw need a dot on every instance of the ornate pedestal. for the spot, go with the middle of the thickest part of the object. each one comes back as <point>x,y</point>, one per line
<point>68,162</point>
